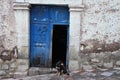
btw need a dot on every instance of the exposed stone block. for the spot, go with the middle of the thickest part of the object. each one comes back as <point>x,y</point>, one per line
<point>93,55</point>
<point>20,74</point>
<point>22,68</point>
<point>1,61</point>
<point>22,65</point>
<point>24,52</point>
<point>117,72</point>
<point>13,65</point>
<point>107,74</point>
<point>33,71</point>
<point>118,63</point>
<point>100,65</point>
<point>73,65</point>
<point>11,74</point>
<point>87,67</point>
<point>2,73</point>
<point>117,68</point>
<point>5,66</point>
<point>73,54</point>
<point>94,60</point>
<point>108,65</point>
<point>12,70</point>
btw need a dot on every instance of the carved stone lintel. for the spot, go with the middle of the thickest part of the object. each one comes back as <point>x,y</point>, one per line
<point>21,6</point>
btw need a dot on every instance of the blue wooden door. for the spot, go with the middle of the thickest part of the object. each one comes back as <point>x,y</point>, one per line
<point>42,19</point>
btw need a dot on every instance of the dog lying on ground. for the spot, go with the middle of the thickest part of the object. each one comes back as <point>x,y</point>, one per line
<point>61,69</point>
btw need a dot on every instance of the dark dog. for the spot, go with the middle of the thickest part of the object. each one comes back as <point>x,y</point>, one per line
<point>61,69</point>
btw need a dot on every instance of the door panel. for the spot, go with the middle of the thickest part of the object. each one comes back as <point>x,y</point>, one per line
<point>40,14</point>
<point>60,14</point>
<point>39,45</point>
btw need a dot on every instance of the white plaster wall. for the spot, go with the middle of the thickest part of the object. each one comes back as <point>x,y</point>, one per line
<point>101,20</point>
<point>101,25</point>
<point>7,24</point>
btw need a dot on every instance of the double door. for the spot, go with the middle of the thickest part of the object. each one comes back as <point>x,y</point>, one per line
<point>42,20</point>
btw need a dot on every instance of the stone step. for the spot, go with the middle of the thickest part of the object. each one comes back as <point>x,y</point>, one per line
<point>38,71</point>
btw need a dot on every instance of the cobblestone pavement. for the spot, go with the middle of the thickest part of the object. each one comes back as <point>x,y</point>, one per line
<point>89,75</point>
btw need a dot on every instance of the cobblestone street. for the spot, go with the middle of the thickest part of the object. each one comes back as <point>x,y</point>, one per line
<point>83,75</point>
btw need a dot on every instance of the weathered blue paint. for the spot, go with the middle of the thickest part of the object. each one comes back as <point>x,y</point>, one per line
<point>41,20</point>
<point>59,15</point>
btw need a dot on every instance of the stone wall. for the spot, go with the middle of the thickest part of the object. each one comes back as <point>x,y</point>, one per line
<point>100,34</point>
<point>10,65</point>
<point>7,34</point>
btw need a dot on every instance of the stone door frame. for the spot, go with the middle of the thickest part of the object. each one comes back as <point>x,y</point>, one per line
<point>21,10</point>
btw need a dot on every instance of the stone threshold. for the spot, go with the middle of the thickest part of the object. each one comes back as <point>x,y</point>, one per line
<point>39,71</point>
